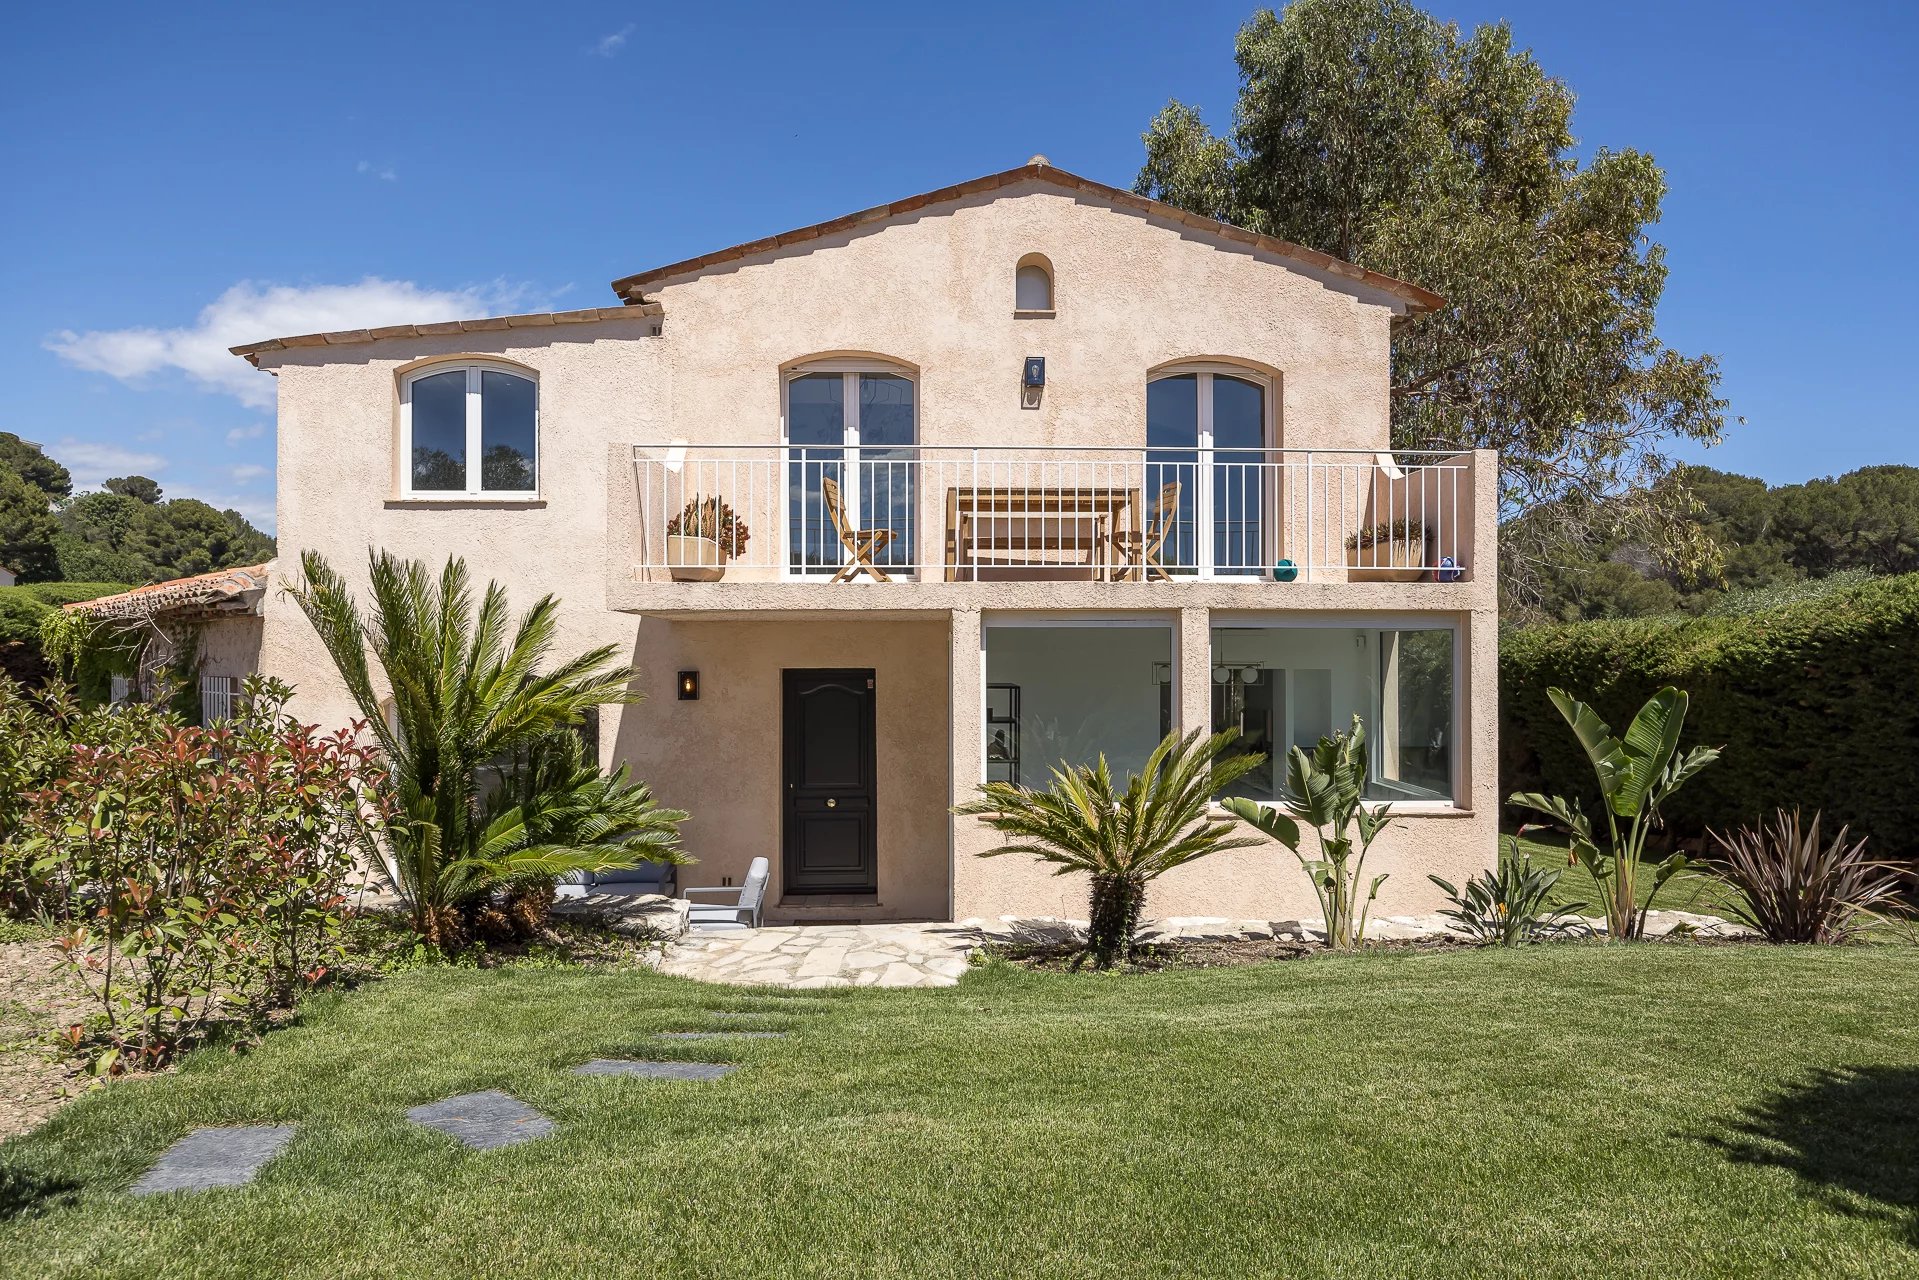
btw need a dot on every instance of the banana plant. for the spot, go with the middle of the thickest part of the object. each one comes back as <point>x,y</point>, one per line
<point>1636,774</point>
<point>1323,790</point>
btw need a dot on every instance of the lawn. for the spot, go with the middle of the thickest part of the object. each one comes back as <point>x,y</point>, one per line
<point>1576,1110</point>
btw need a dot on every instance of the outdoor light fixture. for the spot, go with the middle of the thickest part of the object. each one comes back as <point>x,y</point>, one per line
<point>689,686</point>
<point>1035,376</point>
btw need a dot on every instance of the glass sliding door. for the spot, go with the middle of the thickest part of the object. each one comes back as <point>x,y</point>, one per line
<point>854,432</point>
<point>1206,432</point>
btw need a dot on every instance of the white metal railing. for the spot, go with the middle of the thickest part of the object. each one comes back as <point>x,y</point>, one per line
<point>842,513</point>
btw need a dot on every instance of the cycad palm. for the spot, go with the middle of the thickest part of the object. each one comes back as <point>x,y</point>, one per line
<point>468,691</point>
<point>1123,839</point>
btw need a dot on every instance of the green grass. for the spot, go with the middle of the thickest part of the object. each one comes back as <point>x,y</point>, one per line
<point>1695,891</point>
<point>1574,1110</point>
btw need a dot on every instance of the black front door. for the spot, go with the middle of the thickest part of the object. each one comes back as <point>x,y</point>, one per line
<point>830,811</point>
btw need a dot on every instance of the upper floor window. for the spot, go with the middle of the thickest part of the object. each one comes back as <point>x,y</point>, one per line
<point>470,429</point>
<point>1033,284</point>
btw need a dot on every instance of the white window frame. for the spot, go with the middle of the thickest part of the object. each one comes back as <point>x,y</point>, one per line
<point>849,369</point>
<point>1206,371</point>
<point>1376,623</point>
<point>474,464</point>
<point>1041,618</point>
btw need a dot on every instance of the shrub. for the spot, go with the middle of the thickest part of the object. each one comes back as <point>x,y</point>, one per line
<point>1816,703</point>
<point>1123,839</point>
<point>1796,887</point>
<point>1511,904</point>
<point>1323,789</point>
<point>23,613</point>
<point>190,875</point>
<point>472,693</point>
<point>1635,774</point>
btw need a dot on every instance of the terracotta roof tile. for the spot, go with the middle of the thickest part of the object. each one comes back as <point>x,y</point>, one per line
<point>485,324</point>
<point>244,585</point>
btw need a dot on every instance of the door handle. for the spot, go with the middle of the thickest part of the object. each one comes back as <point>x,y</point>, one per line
<point>832,804</point>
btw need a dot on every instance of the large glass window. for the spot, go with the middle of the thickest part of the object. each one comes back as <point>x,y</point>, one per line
<point>851,438</point>
<point>1287,686</point>
<point>1206,432</point>
<point>1070,692</point>
<point>470,429</point>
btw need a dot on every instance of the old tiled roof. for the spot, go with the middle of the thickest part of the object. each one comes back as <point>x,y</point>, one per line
<point>238,590</point>
<point>532,320</point>
<point>1417,300</point>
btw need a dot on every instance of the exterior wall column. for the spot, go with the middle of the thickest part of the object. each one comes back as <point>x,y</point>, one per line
<point>967,667</point>
<point>1193,657</point>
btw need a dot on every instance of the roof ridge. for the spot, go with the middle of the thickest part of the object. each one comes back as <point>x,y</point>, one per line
<point>1417,300</point>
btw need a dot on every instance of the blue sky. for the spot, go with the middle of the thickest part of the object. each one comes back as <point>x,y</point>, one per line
<point>181,178</point>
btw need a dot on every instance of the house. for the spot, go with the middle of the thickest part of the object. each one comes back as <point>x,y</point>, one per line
<point>1021,470</point>
<point>211,622</point>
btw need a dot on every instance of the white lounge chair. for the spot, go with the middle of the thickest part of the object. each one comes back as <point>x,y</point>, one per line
<point>743,913</point>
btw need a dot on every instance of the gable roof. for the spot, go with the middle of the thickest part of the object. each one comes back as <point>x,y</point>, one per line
<point>1418,301</point>
<point>226,590</point>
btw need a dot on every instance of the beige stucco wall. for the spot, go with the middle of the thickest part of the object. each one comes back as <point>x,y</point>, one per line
<point>932,291</point>
<point>230,646</point>
<point>719,757</point>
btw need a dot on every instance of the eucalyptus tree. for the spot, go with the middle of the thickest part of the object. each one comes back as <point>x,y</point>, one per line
<point>1372,131</point>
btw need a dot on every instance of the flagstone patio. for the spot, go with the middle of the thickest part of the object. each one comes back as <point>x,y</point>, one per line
<point>806,957</point>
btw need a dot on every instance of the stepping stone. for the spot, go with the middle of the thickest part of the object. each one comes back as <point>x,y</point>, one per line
<point>222,1157</point>
<point>483,1120</point>
<point>715,1035</point>
<point>655,1070</point>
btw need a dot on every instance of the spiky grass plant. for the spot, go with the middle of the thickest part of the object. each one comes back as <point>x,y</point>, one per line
<point>1123,839</point>
<point>1511,904</point>
<point>1796,886</point>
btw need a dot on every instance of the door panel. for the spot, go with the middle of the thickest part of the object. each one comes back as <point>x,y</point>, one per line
<point>829,841</point>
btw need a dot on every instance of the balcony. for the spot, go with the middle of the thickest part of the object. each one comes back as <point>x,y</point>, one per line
<point>1136,518</point>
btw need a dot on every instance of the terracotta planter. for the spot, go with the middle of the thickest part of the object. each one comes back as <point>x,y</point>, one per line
<point>1393,560</point>
<point>694,559</point>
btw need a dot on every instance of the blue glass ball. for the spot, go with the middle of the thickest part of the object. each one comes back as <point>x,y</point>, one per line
<point>1285,571</point>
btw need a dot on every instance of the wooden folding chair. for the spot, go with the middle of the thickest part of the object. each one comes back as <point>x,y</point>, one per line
<point>1139,552</point>
<point>861,545</point>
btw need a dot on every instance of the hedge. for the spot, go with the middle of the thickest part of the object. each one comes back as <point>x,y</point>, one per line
<point>1814,702</point>
<point>22,608</point>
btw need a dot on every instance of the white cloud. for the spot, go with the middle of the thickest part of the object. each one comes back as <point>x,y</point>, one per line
<point>384,172</point>
<point>245,472</point>
<point>250,312</point>
<point>610,45</point>
<point>253,432</point>
<point>92,462</point>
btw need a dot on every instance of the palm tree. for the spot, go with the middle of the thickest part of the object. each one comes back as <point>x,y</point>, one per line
<point>1124,840</point>
<point>469,698</point>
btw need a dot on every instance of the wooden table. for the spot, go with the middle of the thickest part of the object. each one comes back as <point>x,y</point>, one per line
<point>1026,518</point>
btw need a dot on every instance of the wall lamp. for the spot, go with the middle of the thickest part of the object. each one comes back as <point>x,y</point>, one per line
<point>689,686</point>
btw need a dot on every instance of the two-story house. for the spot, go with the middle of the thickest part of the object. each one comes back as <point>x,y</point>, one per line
<point>1023,470</point>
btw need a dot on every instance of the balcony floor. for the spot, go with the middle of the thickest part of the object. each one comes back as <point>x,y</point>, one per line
<point>905,599</point>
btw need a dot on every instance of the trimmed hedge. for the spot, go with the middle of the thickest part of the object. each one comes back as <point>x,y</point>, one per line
<point>1815,703</point>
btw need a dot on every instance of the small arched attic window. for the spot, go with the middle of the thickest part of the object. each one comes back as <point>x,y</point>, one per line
<point>1033,285</point>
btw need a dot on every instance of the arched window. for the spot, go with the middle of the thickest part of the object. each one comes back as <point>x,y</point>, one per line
<point>1207,432</point>
<point>852,435</point>
<point>470,429</point>
<point>1033,284</point>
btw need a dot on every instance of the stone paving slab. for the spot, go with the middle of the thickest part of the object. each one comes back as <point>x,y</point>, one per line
<point>484,1120</point>
<point>229,1156</point>
<point>655,1070</point>
<point>817,957</point>
<point>722,1035</point>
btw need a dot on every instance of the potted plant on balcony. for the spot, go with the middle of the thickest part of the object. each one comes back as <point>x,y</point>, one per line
<point>1391,552</point>
<point>702,538</point>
